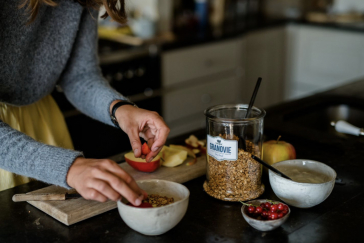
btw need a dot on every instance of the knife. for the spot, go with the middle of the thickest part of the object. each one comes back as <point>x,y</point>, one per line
<point>45,197</point>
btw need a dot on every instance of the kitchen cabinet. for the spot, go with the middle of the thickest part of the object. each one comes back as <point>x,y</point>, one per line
<point>265,57</point>
<point>294,61</point>
<point>196,78</point>
<point>319,59</point>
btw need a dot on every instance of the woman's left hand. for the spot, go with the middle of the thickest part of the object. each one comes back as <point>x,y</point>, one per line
<point>149,125</point>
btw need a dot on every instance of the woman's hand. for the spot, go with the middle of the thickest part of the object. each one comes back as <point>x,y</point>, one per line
<point>102,179</point>
<point>149,125</point>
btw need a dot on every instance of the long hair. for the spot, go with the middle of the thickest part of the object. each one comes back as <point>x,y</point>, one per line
<point>114,8</point>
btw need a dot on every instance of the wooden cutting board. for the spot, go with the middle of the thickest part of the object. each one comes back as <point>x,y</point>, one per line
<point>76,210</point>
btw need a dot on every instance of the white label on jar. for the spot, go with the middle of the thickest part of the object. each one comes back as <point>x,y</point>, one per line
<point>222,149</point>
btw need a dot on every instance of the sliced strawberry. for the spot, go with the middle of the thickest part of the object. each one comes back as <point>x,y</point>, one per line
<point>145,149</point>
<point>142,205</point>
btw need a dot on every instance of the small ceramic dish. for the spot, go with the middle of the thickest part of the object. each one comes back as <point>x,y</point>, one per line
<point>317,181</point>
<point>158,220</point>
<point>262,225</point>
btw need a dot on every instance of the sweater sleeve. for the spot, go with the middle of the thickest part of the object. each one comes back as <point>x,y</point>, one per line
<point>82,80</point>
<point>23,155</point>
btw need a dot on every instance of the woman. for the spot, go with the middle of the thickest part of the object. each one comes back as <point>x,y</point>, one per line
<point>44,43</point>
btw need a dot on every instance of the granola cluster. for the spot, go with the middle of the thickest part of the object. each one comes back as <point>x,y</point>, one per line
<point>238,180</point>
<point>158,201</point>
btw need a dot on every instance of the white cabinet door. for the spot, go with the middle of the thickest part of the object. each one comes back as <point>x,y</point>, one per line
<point>183,109</point>
<point>319,59</point>
<point>200,61</point>
<point>199,77</point>
<point>265,57</point>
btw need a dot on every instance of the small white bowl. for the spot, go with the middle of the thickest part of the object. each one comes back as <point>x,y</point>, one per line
<point>299,194</point>
<point>156,221</point>
<point>263,225</point>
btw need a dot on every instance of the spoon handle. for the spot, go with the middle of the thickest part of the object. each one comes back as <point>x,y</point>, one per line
<point>270,167</point>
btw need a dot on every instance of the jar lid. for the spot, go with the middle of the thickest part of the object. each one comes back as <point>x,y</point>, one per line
<point>234,113</point>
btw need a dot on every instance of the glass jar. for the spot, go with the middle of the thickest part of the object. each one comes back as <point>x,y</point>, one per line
<point>232,175</point>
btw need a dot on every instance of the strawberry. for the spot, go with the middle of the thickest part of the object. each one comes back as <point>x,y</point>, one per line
<point>145,149</point>
<point>142,205</point>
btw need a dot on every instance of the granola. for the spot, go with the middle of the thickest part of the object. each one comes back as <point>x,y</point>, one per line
<point>158,201</point>
<point>238,180</point>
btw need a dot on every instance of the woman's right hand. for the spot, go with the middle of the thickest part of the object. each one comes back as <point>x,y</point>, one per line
<point>103,179</point>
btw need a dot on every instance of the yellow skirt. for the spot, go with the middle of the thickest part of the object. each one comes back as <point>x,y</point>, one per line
<point>43,121</point>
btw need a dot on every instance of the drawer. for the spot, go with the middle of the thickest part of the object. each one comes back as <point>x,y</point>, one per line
<point>190,63</point>
<point>183,103</point>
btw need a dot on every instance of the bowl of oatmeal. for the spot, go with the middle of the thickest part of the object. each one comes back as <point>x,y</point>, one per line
<point>312,182</point>
<point>164,208</point>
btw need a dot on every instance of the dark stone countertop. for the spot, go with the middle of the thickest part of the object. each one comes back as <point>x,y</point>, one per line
<point>337,219</point>
<point>192,37</point>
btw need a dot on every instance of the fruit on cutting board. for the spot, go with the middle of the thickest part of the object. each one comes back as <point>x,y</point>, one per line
<point>145,149</point>
<point>172,156</point>
<point>190,153</point>
<point>141,164</point>
<point>193,142</point>
<point>180,147</point>
<point>276,150</point>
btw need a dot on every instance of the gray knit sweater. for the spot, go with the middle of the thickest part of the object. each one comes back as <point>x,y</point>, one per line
<point>60,47</point>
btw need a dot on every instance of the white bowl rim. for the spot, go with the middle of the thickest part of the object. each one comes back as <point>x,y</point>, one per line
<point>156,208</point>
<point>303,183</point>
<point>258,220</point>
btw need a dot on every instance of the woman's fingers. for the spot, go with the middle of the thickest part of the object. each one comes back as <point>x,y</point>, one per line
<point>162,131</point>
<point>115,169</point>
<point>135,143</point>
<point>100,180</point>
<point>92,194</point>
<point>159,140</point>
<point>112,186</point>
<point>103,187</point>
<point>148,124</point>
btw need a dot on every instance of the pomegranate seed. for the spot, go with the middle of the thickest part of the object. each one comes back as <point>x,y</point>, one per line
<point>267,205</point>
<point>258,210</point>
<point>280,206</point>
<point>251,209</point>
<point>273,216</point>
<point>273,208</point>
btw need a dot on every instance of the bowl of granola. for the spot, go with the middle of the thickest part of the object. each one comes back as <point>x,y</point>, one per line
<point>164,208</point>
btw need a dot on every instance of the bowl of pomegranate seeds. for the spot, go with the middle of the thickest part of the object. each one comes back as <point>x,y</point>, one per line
<point>265,215</point>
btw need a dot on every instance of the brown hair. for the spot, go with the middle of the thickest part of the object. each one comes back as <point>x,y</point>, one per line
<point>113,9</point>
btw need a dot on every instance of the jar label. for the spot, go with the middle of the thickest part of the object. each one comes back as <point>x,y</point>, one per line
<point>222,149</point>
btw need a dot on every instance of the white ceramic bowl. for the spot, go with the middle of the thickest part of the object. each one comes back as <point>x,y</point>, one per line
<point>156,221</point>
<point>299,194</point>
<point>263,225</point>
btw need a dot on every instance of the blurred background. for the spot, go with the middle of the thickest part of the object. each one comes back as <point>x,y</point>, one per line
<point>179,57</point>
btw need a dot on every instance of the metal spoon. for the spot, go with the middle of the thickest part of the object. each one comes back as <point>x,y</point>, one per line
<point>242,143</point>
<point>270,167</point>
